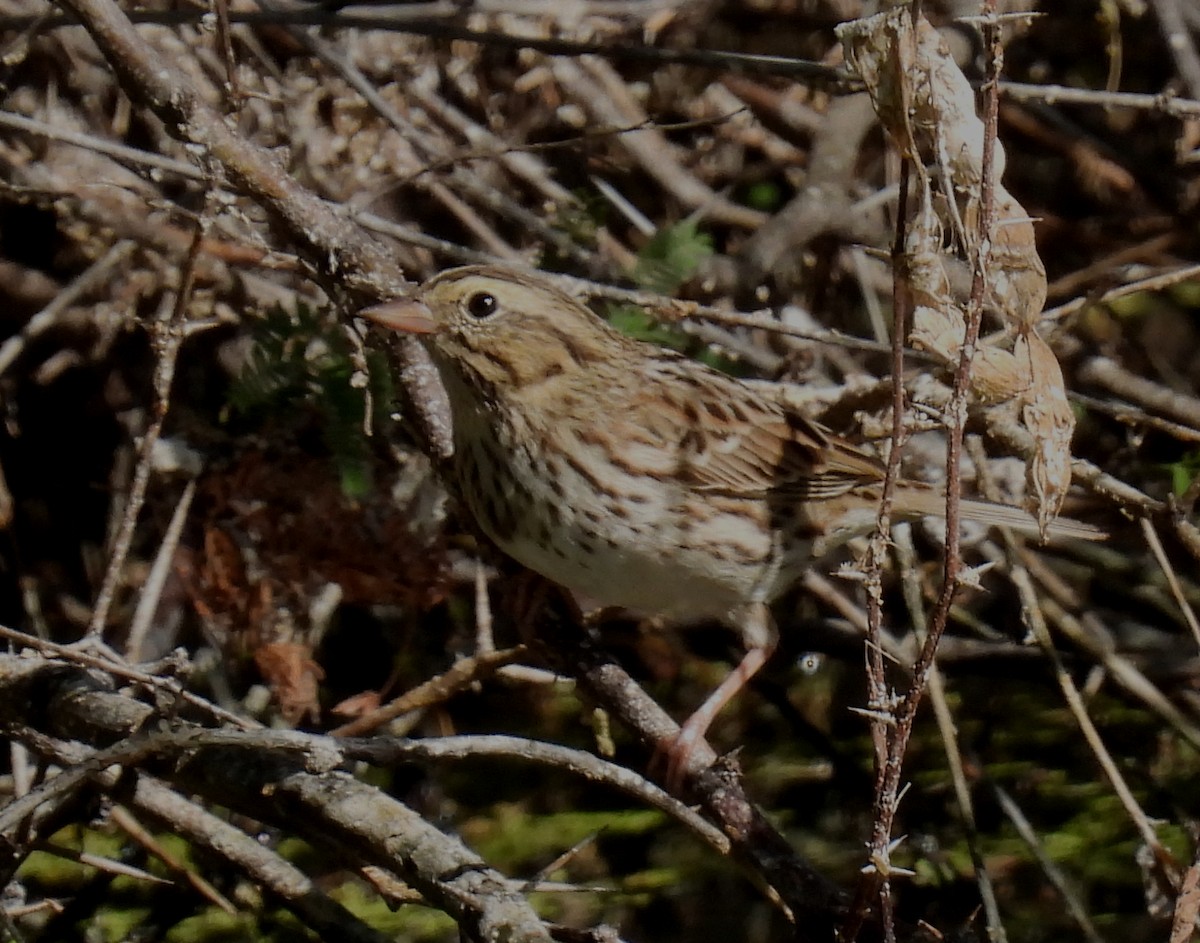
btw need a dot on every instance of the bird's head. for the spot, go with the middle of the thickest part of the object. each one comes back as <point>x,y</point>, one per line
<point>501,331</point>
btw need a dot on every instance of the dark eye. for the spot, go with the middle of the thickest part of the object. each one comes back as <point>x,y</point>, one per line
<point>481,304</point>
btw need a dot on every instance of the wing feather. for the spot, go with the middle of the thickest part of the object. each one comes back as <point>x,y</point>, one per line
<point>737,442</point>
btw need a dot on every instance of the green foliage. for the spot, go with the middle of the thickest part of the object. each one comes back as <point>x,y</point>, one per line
<point>1183,472</point>
<point>766,195</point>
<point>578,221</point>
<point>632,320</point>
<point>666,262</point>
<point>581,219</point>
<point>672,257</point>
<point>303,363</point>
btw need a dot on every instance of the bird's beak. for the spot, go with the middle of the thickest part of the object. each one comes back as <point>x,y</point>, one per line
<point>406,315</point>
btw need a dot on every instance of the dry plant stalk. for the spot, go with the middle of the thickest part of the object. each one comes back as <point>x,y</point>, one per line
<point>928,107</point>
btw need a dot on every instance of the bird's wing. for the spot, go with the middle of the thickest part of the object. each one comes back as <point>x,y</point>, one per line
<point>728,438</point>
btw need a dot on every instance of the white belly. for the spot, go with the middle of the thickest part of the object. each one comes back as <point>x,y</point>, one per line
<point>650,557</point>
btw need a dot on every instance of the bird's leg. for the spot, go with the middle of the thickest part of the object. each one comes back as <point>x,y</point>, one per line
<point>760,636</point>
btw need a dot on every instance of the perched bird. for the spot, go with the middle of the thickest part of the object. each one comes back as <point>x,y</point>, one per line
<point>635,476</point>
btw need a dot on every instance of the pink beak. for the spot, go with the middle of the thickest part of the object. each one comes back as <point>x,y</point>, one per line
<point>406,315</point>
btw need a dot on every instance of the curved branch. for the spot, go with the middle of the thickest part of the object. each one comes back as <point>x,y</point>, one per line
<point>327,806</point>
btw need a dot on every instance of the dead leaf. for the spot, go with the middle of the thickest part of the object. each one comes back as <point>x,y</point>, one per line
<point>293,677</point>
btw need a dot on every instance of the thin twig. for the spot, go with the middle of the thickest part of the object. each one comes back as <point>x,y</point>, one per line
<point>351,262</point>
<point>147,605</point>
<point>128,823</point>
<point>1090,635</point>
<point>876,877</point>
<point>392,750</point>
<point>167,336</point>
<point>462,674</point>
<point>1178,40</point>
<point>1032,610</point>
<point>11,349</point>
<point>836,80</point>
<point>1152,283</point>
<point>168,687</point>
<point>1054,874</point>
<point>91,142</point>
<point>1160,554</point>
<point>906,559</point>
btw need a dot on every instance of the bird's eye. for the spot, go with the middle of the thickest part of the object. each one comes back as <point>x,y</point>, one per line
<point>481,305</point>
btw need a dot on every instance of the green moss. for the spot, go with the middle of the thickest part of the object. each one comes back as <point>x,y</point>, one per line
<point>409,922</point>
<point>513,837</point>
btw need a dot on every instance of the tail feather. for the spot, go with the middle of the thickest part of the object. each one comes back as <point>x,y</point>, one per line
<point>917,502</point>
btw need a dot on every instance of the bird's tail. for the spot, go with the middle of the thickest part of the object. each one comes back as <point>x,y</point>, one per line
<point>921,502</point>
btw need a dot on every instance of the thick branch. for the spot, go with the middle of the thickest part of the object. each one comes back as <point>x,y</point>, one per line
<point>327,807</point>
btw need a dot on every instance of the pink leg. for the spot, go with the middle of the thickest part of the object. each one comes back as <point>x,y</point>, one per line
<point>760,634</point>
